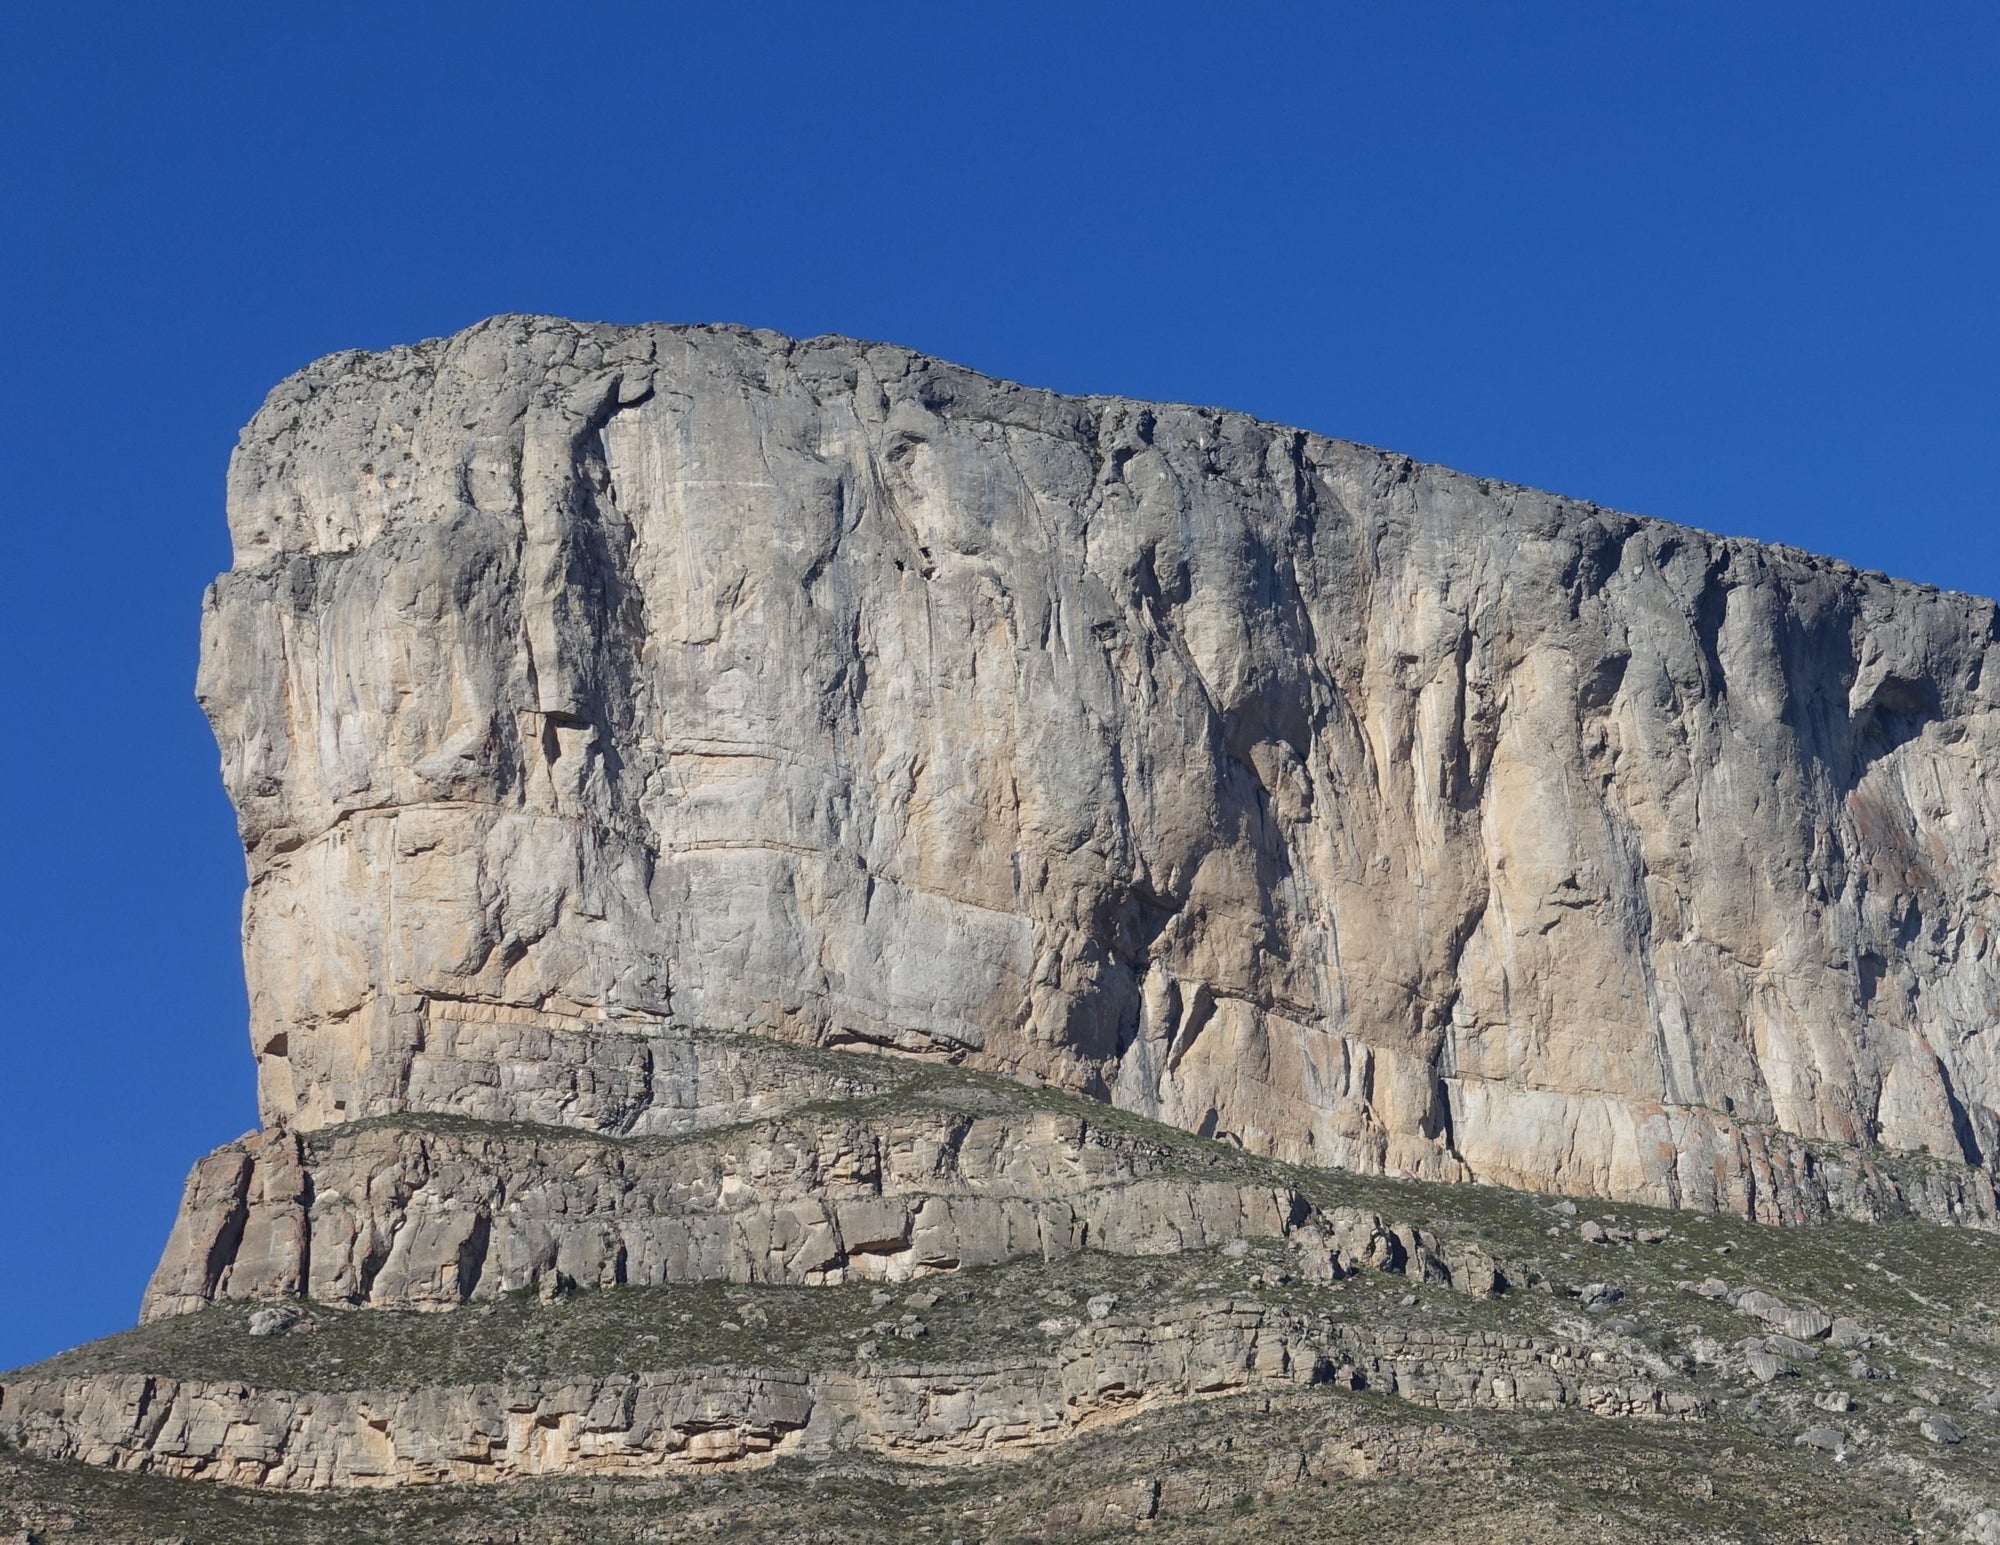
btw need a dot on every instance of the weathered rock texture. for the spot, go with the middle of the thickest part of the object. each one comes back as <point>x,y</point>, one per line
<point>646,1422</point>
<point>424,1219</point>
<point>578,680</point>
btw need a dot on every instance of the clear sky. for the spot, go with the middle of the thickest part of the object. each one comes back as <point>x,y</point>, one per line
<point>1731,264</point>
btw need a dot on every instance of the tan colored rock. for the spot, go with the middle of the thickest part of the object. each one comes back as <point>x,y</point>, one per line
<point>404,1218</point>
<point>647,1423</point>
<point>603,679</point>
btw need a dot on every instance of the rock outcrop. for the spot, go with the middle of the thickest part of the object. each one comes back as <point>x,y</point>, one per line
<point>639,1423</point>
<point>900,1264</point>
<point>1239,836</point>
<point>404,1218</point>
<point>580,679</point>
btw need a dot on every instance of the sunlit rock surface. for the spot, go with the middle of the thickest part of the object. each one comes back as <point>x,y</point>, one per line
<point>577,684</point>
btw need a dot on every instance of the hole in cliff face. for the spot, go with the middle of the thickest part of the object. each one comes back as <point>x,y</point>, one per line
<point>1901,698</point>
<point>472,1256</point>
<point>1441,1107</point>
<point>555,743</point>
<point>1711,609</point>
<point>1868,971</point>
<point>1895,714</point>
<point>1130,924</point>
<point>1600,684</point>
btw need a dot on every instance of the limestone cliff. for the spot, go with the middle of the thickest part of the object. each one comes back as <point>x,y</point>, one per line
<point>577,685</point>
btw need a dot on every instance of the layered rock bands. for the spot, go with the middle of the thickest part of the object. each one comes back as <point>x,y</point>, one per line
<point>631,1424</point>
<point>402,1218</point>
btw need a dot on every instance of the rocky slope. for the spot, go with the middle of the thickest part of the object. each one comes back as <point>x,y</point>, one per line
<point>1288,1467</point>
<point>1241,840</point>
<point>1353,1335</point>
<point>575,679</point>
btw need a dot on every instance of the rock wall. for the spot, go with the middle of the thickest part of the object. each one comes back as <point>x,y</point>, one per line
<point>397,1218</point>
<point>589,681</point>
<point>641,1423</point>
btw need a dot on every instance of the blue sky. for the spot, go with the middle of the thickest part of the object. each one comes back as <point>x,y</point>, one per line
<point>1734,265</point>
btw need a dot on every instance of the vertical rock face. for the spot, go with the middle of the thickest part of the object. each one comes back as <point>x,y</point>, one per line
<point>576,684</point>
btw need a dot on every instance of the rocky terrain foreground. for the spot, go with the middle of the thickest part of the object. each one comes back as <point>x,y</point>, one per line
<point>840,950</point>
<point>942,1304</point>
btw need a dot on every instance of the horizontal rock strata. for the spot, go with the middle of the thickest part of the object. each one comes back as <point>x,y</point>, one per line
<point>865,1178</point>
<point>395,1217</point>
<point>649,1422</point>
<point>489,1062</point>
<point>631,727</point>
<point>575,681</point>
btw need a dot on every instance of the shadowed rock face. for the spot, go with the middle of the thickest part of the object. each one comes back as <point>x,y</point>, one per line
<point>574,683</point>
